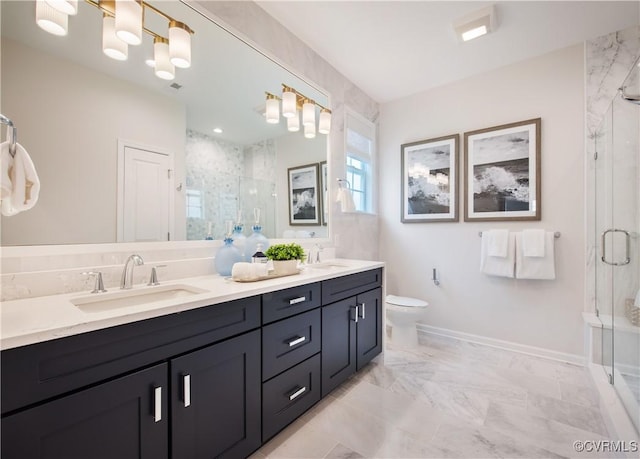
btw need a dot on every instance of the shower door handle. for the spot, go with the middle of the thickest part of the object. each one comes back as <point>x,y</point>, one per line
<point>627,238</point>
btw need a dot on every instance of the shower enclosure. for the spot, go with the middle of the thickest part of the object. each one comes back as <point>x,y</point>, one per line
<point>617,224</point>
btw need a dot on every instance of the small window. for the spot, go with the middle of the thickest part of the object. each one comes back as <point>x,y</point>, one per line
<point>360,153</point>
<point>194,204</point>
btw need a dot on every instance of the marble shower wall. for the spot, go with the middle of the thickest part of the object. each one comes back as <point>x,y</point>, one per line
<point>225,178</point>
<point>354,235</point>
<point>608,61</point>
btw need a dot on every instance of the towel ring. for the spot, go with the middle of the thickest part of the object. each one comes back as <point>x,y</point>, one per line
<point>342,181</point>
<point>555,235</point>
<point>13,136</point>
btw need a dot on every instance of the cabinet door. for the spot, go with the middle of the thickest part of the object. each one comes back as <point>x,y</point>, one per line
<point>369,342</point>
<point>215,405</point>
<point>124,418</point>
<point>338,343</point>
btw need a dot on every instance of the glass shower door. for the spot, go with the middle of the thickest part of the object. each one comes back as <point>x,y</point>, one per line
<point>618,265</point>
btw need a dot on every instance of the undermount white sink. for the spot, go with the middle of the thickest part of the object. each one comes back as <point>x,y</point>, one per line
<point>100,302</point>
<point>326,265</point>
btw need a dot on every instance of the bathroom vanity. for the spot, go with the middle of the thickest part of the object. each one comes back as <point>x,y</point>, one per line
<point>217,372</point>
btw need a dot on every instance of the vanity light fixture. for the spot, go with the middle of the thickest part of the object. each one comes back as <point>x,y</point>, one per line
<point>50,19</point>
<point>112,46</point>
<point>123,24</point>
<point>69,7</point>
<point>476,24</point>
<point>163,67</point>
<point>294,103</point>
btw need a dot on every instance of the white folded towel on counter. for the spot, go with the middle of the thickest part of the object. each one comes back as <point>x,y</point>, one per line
<point>533,242</point>
<point>498,242</point>
<point>345,199</point>
<point>20,184</point>
<point>497,266</point>
<point>249,271</point>
<point>536,267</point>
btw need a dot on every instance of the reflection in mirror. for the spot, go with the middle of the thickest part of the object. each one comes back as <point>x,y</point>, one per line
<point>125,156</point>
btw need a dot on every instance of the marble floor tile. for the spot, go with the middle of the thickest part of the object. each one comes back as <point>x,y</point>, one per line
<point>572,414</point>
<point>447,398</point>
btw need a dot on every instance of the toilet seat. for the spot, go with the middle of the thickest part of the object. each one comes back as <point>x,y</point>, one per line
<point>405,301</point>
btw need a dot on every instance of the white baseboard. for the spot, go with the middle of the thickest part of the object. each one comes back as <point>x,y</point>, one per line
<point>505,345</point>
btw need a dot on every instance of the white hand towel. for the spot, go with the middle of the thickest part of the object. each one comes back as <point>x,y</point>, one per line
<point>6,163</point>
<point>498,242</point>
<point>536,267</point>
<point>533,242</point>
<point>497,266</point>
<point>346,200</point>
<point>25,184</point>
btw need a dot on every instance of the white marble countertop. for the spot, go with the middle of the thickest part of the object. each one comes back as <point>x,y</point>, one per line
<point>32,320</point>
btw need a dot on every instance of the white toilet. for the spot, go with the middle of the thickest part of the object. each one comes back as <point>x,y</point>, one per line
<point>402,314</point>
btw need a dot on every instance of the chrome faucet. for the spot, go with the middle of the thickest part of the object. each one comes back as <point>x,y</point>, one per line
<point>127,272</point>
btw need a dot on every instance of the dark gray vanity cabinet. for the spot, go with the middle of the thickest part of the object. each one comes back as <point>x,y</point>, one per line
<point>120,392</point>
<point>351,325</point>
<point>215,401</point>
<point>123,419</point>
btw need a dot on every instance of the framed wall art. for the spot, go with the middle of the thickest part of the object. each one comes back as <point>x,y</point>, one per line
<point>303,195</point>
<point>430,180</point>
<point>502,172</point>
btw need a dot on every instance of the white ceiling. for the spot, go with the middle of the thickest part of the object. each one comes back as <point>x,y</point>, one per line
<point>392,49</point>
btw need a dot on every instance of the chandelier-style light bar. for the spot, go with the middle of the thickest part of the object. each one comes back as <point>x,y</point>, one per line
<point>123,25</point>
<point>294,104</point>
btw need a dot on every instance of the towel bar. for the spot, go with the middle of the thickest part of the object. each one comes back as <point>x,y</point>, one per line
<point>14,134</point>
<point>556,234</point>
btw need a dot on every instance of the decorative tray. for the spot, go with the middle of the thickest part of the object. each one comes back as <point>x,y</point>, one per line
<point>269,276</point>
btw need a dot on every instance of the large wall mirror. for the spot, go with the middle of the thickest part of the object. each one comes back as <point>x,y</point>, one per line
<point>99,130</point>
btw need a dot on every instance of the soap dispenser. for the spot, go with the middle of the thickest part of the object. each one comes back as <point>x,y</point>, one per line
<point>255,238</point>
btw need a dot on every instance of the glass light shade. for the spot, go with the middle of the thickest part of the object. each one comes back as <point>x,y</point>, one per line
<point>308,113</point>
<point>293,123</point>
<point>112,46</point>
<point>50,19</point>
<point>273,110</point>
<point>179,44</point>
<point>310,131</point>
<point>65,6</point>
<point>129,21</point>
<point>164,69</point>
<point>324,123</point>
<point>289,102</point>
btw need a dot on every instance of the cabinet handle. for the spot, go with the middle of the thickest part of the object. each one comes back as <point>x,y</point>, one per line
<point>297,393</point>
<point>355,318</point>
<point>363,310</point>
<point>302,339</point>
<point>300,299</point>
<point>186,381</point>
<point>157,415</point>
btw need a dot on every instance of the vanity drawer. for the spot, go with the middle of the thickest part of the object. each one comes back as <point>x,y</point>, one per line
<point>289,395</point>
<point>288,302</point>
<point>290,341</point>
<point>343,287</point>
<point>44,370</point>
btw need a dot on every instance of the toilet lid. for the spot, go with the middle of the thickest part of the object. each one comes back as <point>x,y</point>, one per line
<point>406,301</point>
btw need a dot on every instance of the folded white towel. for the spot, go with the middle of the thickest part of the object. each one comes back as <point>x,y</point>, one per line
<point>497,266</point>
<point>25,184</point>
<point>533,242</point>
<point>536,267</point>
<point>248,271</point>
<point>498,242</point>
<point>345,199</point>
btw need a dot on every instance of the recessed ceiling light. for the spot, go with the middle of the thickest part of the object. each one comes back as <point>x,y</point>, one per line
<point>217,130</point>
<point>150,62</point>
<point>476,24</point>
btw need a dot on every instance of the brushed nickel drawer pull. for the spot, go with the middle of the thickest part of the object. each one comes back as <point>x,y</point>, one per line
<point>297,393</point>
<point>187,390</point>
<point>157,415</point>
<point>300,299</point>
<point>302,339</point>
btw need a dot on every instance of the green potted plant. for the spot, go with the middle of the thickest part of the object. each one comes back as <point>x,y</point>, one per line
<point>285,258</point>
